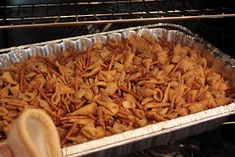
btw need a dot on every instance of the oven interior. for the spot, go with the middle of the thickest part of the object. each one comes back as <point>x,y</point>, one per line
<point>31,21</point>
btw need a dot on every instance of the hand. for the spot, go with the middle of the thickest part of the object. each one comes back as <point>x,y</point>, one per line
<point>5,151</point>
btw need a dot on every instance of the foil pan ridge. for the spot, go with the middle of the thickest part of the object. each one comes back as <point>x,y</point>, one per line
<point>172,33</point>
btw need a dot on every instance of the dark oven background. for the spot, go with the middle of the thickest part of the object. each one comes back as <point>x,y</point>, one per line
<point>212,20</point>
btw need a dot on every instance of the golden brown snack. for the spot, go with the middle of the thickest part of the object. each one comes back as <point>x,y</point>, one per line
<point>112,87</point>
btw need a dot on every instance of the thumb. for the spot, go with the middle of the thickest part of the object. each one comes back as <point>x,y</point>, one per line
<point>5,150</point>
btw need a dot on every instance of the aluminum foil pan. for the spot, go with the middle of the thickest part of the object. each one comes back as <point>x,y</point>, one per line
<point>154,134</point>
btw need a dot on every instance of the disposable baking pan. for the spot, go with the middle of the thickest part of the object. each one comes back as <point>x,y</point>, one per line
<point>154,134</point>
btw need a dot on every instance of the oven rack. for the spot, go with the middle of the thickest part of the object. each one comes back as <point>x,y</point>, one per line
<point>70,13</point>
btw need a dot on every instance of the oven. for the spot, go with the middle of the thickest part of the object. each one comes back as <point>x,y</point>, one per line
<point>31,21</point>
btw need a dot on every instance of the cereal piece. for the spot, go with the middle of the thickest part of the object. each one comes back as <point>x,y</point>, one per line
<point>86,110</point>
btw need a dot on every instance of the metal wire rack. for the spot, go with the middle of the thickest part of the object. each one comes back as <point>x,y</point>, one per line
<point>69,13</point>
